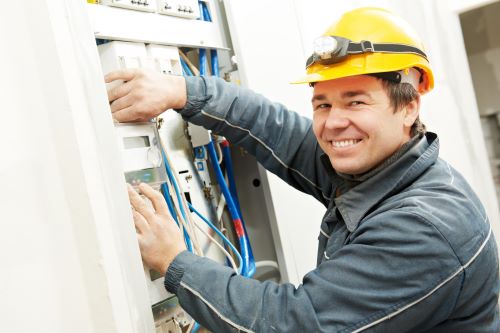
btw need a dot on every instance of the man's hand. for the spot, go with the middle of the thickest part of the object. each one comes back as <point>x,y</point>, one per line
<point>144,94</point>
<point>160,240</point>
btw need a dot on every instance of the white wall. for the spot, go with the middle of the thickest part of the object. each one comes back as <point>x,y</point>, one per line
<point>63,266</point>
<point>486,65</point>
<point>42,280</point>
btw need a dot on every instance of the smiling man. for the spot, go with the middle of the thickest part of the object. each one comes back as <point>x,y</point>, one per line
<point>359,128</point>
<point>405,244</point>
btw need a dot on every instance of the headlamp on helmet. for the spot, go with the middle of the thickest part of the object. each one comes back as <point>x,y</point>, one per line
<point>333,49</point>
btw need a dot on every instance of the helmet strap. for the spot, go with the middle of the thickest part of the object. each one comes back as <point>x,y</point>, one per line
<point>409,75</point>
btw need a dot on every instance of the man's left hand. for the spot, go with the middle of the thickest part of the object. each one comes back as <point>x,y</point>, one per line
<point>160,240</point>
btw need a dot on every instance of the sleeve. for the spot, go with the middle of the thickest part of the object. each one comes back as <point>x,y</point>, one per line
<point>397,274</point>
<point>281,140</point>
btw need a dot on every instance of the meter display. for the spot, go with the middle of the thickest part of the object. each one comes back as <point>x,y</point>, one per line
<point>136,142</point>
<point>141,153</point>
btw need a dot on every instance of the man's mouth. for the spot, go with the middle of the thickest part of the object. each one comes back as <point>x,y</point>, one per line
<point>345,143</point>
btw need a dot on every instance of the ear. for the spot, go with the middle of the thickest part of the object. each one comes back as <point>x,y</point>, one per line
<point>411,112</point>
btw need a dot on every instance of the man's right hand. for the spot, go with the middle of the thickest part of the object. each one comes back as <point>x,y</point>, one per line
<point>144,94</point>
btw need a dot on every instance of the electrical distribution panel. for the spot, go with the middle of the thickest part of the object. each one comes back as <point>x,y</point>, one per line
<point>142,5</point>
<point>169,148</point>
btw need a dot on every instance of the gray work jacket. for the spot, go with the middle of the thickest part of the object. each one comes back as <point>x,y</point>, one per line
<point>408,250</point>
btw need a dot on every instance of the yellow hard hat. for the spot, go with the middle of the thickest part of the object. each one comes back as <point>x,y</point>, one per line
<point>368,41</point>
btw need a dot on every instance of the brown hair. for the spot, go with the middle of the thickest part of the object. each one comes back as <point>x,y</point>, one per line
<point>400,95</point>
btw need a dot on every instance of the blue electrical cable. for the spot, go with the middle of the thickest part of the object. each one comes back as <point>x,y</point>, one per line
<point>205,16</point>
<point>205,13</point>
<point>170,204</point>
<point>183,71</point>
<point>200,5</point>
<point>203,61</point>
<point>233,211</point>
<point>171,177</point>
<point>226,153</point>
<point>221,235</point>
<point>214,60</point>
<point>213,53</point>
<point>187,71</point>
<point>196,327</point>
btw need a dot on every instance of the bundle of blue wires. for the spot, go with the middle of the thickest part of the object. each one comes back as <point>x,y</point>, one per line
<point>230,195</point>
<point>170,204</point>
<point>247,263</point>
<point>244,242</point>
<point>171,208</point>
<point>226,153</point>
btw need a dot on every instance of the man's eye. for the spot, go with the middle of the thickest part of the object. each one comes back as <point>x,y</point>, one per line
<point>356,103</point>
<point>322,106</point>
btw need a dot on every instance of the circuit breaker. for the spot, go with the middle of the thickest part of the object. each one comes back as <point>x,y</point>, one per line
<point>181,8</point>
<point>165,59</point>
<point>142,5</point>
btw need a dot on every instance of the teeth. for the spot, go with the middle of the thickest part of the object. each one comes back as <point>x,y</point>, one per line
<point>344,143</point>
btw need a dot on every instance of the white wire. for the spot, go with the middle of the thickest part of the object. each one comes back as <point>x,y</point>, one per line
<point>206,246</point>
<point>176,211</point>
<point>229,256</point>
<point>182,222</point>
<point>220,156</point>
<point>188,222</point>
<point>196,243</point>
<point>220,207</point>
<point>267,263</point>
<point>191,325</point>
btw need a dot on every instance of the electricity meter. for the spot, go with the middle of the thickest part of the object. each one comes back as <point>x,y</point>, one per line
<point>141,153</point>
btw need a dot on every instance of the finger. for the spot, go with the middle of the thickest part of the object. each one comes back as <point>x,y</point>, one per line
<point>140,240</point>
<point>141,225</point>
<point>127,115</point>
<point>125,74</point>
<point>119,91</point>
<point>156,198</point>
<point>139,204</point>
<point>121,103</point>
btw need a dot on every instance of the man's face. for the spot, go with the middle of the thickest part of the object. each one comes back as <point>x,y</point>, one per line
<point>355,124</point>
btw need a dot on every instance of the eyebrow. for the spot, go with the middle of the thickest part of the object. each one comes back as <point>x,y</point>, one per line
<point>320,97</point>
<point>346,94</point>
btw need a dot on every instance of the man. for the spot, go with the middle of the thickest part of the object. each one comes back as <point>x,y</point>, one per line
<point>405,244</point>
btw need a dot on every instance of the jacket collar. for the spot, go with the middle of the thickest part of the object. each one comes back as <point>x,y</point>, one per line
<point>354,204</point>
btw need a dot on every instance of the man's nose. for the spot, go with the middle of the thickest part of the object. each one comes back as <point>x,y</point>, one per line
<point>337,118</point>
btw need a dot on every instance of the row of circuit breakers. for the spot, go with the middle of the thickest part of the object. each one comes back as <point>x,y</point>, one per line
<point>181,8</point>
